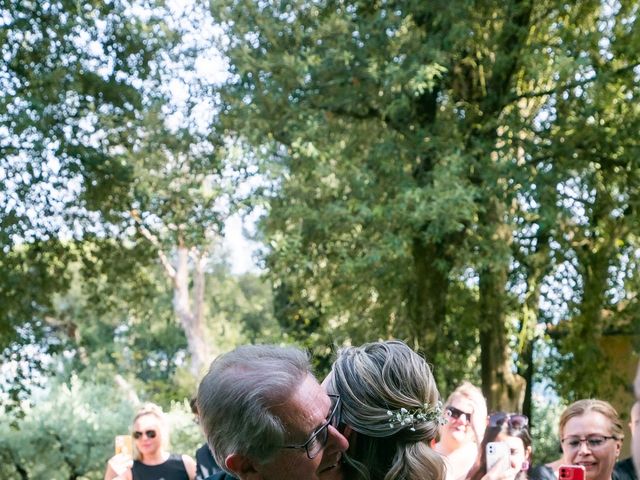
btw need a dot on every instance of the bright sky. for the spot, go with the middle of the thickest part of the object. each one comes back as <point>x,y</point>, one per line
<point>213,67</point>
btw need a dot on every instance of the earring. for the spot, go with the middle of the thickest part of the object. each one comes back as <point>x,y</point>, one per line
<point>525,466</point>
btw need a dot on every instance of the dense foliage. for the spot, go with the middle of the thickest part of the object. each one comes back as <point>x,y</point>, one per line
<point>449,173</point>
<point>462,175</point>
<point>69,431</point>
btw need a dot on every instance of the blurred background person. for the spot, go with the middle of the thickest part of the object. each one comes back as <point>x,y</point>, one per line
<point>511,429</point>
<point>624,469</point>
<point>151,458</point>
<point>591,435</point>
<point>466,414</point>
<point>205,463</point>
<point>390,412</point>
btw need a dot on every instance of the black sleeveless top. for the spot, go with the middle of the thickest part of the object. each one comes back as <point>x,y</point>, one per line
<point>172,469</point>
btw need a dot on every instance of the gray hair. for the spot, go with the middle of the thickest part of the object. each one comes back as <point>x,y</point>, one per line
<point>237,395</point>
<point>377,378</point>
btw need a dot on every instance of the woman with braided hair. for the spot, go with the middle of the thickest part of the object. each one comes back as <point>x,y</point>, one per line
<point>390,412</point>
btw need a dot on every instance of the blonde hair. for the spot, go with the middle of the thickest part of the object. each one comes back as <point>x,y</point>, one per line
<point>581,407</point>
<point>372,381</point>
<point>474,395</point>
<point>156,411</point>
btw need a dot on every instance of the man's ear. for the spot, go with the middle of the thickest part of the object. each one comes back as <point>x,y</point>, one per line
<point>242,467</point>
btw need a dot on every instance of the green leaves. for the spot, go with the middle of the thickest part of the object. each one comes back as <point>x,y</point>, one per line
<point>425,153</point>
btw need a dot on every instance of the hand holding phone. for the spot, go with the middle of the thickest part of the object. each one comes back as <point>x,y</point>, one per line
<point>124,445</point>
<point>572,472</point>
<point>497,451</point>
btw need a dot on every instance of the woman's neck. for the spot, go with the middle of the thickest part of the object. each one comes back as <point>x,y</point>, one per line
<point>446,446</point>
<point>155,458</point>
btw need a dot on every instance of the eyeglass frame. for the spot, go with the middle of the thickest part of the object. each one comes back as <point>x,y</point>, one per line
<point>497,419</point>
<point>586,440</point>
<point>457,413</point>
<point>137,435</point>
<point>332,420</point>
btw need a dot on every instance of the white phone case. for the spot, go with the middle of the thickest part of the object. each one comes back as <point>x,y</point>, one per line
<point>496,451</point>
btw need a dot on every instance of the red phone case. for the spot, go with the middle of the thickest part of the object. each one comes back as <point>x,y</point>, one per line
<point>572,472</point>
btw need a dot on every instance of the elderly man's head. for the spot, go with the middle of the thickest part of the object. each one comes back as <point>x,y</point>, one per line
<point>267,418</point>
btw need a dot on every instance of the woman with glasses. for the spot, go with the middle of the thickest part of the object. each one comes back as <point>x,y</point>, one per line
<point>591,435</point>
<point>511,429</point>
<point>151,459</point>
<point>466,414</point>
<point>390,412</point>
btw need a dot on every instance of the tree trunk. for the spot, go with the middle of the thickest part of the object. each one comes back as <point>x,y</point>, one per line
<point>190,313</point>
<point>503,389</point>
<point>428,296</point>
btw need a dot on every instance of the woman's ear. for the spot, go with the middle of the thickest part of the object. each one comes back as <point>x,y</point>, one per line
<point>527,454</point>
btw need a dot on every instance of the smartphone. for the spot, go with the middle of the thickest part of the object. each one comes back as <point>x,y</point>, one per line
<point>572,472</point>
<point>496,451</point>
<point>124,444</point>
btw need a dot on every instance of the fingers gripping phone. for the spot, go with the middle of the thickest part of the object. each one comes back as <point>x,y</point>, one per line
<point>496,451</point>
<point>572,472</point>
<point>124,444</point>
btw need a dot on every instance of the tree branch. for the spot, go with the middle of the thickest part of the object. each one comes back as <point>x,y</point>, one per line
<point>570,85</point>
<point>144,231</point>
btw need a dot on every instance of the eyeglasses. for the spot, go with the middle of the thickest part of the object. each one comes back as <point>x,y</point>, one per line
<point>318,439</point>
<point>514,420</point>
<point>148,433</point>
<point>453,412</point>
<point>594,442</point>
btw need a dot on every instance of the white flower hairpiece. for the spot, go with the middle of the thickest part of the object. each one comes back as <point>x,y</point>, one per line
<point>426,413</point>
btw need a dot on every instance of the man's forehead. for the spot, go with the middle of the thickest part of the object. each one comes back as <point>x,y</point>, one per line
<point>307,408</point>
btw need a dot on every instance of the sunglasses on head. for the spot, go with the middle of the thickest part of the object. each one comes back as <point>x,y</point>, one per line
<point>514,420</point>
<point>148,433</point>
<point>454,412</point>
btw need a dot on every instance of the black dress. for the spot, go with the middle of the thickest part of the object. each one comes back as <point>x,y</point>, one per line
<point>172,469</point>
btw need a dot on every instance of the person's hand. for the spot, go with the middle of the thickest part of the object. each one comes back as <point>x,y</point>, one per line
<point>502,470</point>
<point>120,463</point>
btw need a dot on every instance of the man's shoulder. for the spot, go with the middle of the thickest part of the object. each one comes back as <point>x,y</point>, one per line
<point>221,476</point>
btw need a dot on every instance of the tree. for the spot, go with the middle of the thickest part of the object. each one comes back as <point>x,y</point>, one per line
<point>412,152</point>
<point>72,426</point>
<point>70,79</point>
<point>91,110</point>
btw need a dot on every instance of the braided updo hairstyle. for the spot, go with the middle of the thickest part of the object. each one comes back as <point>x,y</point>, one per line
<point>375,381</point>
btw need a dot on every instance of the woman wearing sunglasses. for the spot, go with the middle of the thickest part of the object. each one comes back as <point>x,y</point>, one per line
<point>512,430</point>
<point>151,459</point>
<point>466,414</point>
<point>390,412</point>
<point>591,435</point>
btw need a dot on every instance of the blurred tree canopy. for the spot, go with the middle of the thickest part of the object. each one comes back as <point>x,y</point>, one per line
<point>114,189</point>
<point>69,431</point>
<point>457,174</point>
